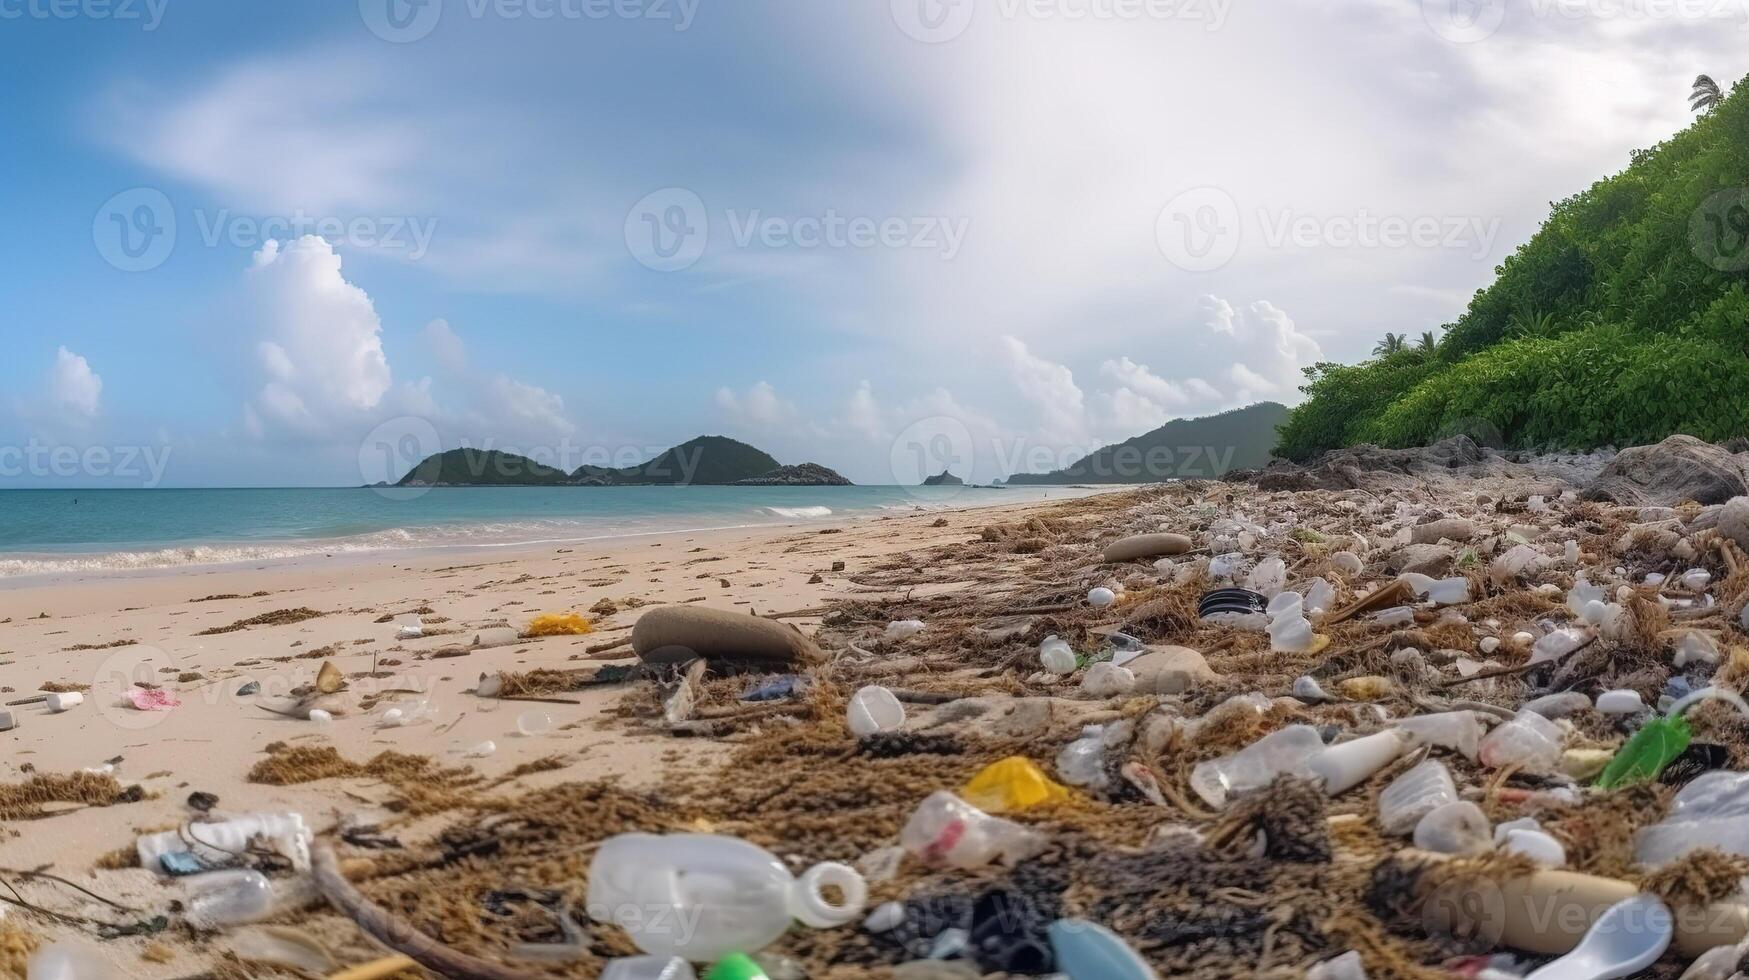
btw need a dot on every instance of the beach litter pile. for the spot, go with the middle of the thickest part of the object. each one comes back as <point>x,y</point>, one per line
<point>1431,713</point>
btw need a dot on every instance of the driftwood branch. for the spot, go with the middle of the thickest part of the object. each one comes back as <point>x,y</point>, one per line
<point>395,933</point>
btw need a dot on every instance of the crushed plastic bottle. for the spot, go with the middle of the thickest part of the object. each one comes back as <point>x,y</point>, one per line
<point>1529,740</point>
<point>1319,596</point>
<point>1711,811</point>
<point>228,898</point>
<point>947,831</point>
<point>874,709</point>
<point>703,897</point>
<point>1268,578</point>
<point>1288,751</point>
<point>1413,795</point>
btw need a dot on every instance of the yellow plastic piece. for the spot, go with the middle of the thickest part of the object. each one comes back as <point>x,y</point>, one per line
<point>558,624</point>
<point>1012,784</point>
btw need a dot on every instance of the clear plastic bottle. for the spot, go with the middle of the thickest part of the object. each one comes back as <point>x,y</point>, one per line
<point>1082,762</point>
<point>649,968</point>
<point>1288,751</point>
<point>229,898</point>
<point>68,961</point>
<point>946,830</point>
<point>703,896</point>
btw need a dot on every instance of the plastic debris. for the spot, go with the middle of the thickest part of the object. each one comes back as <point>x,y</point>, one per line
<point>558,624</point>
<point>229,898</point>
<point>1089,951</point>
<point>530,724</point>
<point>946,830</point>
<point>1346,765</point>
<point>68,961</point>
<point>1106,679</point>
<point>722,894</point>
<point>900,629</point>
<point>1711,811</point>
<point>736,966</point>
<point>218,844</point>
<point>1413,795</point>
<point>1012,784</point>
<point>1057,656</point>
<point>1455,828</point>
<point>1101,597</point>
<point>1528,740</point>
<point>1288,751</point>
<point>1622,702</point>
<point>1646,753</point>
<point>649,968</point>
<point>874,709</point>
<point>66,700</point>
<point>1082,762</point>
<point>776,688</point>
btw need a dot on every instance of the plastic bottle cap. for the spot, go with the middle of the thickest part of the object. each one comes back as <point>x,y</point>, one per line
<point>736,966</point>
<point>815,910</point>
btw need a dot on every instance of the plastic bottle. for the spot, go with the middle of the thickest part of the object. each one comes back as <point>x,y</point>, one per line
<point>532,723</point>
<point>68,961</point>
<point>229,898</point>
<point>649,968</point>
<point>703,896</point>
<point>1082,762</point>
<point>1413,795</point>
<point>1288,751</point>
<point>58,703</point>
<point>874,709</point>
<point>946,830</point>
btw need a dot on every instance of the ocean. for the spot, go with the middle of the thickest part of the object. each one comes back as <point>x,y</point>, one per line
<point>67,532</point>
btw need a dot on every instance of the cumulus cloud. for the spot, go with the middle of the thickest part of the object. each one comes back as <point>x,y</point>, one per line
<point>528,404</point>
<point>74,389</point>
<point>444,345</point>
<point>320,344</point>
<point>759,407</point>
<point>1270,353</point>
<point>1050,388</point>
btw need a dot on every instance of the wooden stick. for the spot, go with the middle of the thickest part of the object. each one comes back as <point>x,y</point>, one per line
<point>1520,669</point>
<point>395,933</point>
<point>594,648</point>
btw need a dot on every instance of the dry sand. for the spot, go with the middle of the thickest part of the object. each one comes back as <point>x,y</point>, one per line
<point>59,634</point>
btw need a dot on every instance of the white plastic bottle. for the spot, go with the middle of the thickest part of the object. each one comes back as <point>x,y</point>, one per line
<point>703,896</point>
<point>229,898</point>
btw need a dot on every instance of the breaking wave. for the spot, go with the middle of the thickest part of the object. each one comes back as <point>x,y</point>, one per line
<point>800,513</point>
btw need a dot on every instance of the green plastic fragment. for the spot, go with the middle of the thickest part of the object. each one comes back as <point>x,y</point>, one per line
<point>1647,753</point>
<point>736,966</point>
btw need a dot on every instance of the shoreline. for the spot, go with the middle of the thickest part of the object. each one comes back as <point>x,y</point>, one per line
<point>158,558</point>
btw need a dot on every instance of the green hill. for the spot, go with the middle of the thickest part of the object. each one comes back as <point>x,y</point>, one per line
<point>481,468</point>
<point>1181,449</point>
<point>1623,320</point>
<point>707,460</point>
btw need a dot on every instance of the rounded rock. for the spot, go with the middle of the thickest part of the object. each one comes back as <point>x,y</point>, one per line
<point>1147,546</point>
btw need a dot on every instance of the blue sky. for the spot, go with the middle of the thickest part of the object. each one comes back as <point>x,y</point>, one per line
<point>590,229</point>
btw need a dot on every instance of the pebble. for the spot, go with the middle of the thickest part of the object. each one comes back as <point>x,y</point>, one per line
<point>1101,597</point>
<point>1489,644</point>
<point>1455,828</point>
<point>1734,520</point>
<point>1147,546</point>
<point>1536,845</point>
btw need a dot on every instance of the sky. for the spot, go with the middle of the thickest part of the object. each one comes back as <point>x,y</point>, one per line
<point>286,244</point>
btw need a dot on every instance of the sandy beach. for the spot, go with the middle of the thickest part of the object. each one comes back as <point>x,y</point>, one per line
<point>95,635</point>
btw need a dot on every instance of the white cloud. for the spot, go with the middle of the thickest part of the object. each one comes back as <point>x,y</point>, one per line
<point>445,345</point>
<point>1051,389</point>
<point>864,413</point>
<point>74,389</point>
<point>1269,352</point>
<point>759,407</point>
<point>320,340</point>
<point>527,404</point>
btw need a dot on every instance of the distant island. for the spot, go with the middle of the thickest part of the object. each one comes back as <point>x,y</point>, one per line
<point>943,479</point>
<point>705,461</point>
<point>1183,449</point>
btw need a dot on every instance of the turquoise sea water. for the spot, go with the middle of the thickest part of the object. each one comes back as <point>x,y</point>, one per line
<point>54,532</point>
